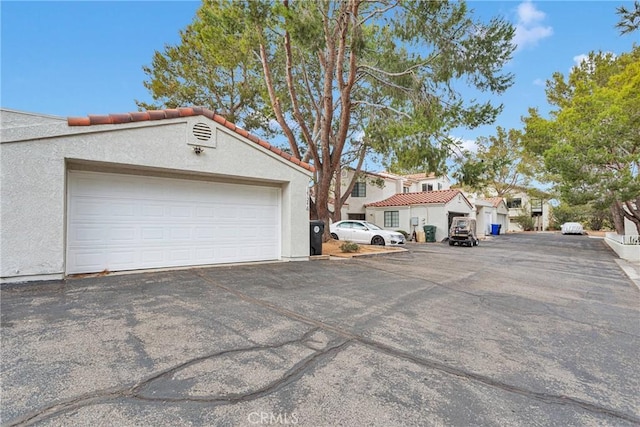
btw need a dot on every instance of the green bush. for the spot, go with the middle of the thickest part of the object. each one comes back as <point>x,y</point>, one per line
<point>349,247</point>
<point>525,221</point>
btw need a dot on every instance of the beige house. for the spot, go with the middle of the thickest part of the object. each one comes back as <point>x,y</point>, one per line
<point>134,191</point>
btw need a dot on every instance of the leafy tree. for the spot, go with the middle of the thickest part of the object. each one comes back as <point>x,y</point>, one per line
<point>591,141</point>
<point>593,216</point>
<point>629,18</point>
<point>501,163</point>
<point>342,79</point>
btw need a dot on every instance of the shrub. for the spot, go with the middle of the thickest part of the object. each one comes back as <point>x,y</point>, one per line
<point>524,221</point>
<point>349,247</point>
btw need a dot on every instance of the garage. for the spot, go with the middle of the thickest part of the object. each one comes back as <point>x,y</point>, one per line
<point>144,190</point>
<point>126,222</point>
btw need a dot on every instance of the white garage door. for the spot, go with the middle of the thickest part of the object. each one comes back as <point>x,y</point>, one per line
<point>126,222</point>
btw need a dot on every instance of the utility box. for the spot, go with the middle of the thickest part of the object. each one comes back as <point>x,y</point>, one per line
<point>316,230</point>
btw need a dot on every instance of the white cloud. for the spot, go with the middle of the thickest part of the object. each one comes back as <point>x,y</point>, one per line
<point>469,145</point>
<point>539,82</point>
<point>528,14</point>
<point>578,59</point>
<point>464,145</point>
<point>529,28</point>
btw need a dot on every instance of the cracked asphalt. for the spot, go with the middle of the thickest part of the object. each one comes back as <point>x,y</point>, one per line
<point>524,330</point>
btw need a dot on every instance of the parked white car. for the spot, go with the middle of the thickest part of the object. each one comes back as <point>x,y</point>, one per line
<point>572,228</point>
<point>365,232</point>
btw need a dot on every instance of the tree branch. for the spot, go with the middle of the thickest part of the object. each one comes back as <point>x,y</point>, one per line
<point>382,107</point>
<point>293,95</point>
<point>275,103</point>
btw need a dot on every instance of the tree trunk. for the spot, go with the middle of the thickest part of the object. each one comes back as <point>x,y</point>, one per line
<point>618,217</point>
<point>322,203</point>
<point>631,211</point>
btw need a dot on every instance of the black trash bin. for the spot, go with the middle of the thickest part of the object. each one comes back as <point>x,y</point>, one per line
<point>316,230</point>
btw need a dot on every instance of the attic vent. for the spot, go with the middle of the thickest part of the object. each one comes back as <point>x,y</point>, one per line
<point>202,131</point>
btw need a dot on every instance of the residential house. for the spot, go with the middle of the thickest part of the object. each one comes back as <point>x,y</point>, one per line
<point>153,189</point>
<point>425,182</point>
<point>520,202</point>
<point>412,211</point>
<point>489,212</point>
<point>369,187</point>
<point>376,186</point>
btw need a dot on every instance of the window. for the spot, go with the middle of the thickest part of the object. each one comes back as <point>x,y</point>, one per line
<point>358,226</point>
<point>514,203</point>
<point>405,189</point>
<point>358,216</point>
<point>439,186</point>
<point>427,187</point>
<point>359,190</point>
<point>391,219</point>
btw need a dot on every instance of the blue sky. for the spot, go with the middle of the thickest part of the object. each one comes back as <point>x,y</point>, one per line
<point>77,58</point>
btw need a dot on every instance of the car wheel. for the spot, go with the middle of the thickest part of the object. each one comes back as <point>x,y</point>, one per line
<point>477,242</point>
<point>450,242</point>
<point>377,240</point>
<point>334,236</point>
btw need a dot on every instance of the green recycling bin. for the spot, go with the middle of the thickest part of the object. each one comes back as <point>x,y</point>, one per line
<point>430,233</point>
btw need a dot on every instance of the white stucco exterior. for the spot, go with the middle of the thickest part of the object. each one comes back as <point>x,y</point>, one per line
<point>540,213</point>
<point>428,214</point>
<point>373,192</point>
<point>38,151</point>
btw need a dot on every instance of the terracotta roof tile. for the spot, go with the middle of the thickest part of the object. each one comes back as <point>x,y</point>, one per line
<point>420,176</point>
<point>421,198</point>
<point>495,201</point>
<point>142,116</point>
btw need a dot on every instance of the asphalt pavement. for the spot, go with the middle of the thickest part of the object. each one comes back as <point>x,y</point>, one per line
<point>524,330</point>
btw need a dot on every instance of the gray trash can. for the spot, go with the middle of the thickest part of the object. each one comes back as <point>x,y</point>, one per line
<point>316,230</point>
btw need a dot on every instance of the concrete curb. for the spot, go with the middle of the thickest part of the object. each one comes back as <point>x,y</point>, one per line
<point>632,270</point>
<point>372,254</point>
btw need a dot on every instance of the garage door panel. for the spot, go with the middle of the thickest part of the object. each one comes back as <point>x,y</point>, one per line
<point>122,222</point>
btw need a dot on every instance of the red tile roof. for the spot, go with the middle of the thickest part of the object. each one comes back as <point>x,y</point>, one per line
<point>141,116</point>
<point>418,176</point>
<point>495,201</point>
<point>421,198</point>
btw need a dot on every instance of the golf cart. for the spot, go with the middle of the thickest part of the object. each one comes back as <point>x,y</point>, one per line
<point>463,231</point>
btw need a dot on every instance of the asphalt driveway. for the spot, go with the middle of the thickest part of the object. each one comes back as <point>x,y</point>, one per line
<point>527,329</point>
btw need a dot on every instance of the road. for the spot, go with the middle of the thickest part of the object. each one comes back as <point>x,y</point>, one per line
<point>524,330</point>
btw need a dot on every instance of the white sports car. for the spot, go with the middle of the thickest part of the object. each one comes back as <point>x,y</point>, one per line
<point>365,232</point>
<point>572,228</point>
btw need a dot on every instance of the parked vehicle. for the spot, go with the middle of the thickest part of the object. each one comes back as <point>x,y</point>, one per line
<point>572,228</point>
<point>365,232</point>
<point>463,231</point>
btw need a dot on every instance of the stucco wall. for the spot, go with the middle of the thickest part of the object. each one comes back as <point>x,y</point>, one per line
<point>373,193</point>
<point>34,173</point>
<point>433,214</point>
